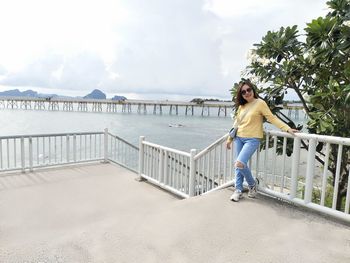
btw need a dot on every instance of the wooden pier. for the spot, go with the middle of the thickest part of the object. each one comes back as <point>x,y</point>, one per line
<point>206,108</point>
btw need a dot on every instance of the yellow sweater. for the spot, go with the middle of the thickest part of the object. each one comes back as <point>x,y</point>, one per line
<point>252,124</point>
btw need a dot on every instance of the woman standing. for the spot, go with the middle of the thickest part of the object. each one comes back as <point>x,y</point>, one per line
<point>249,117</point>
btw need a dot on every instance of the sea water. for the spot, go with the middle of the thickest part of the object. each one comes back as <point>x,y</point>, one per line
<point>176,131</point>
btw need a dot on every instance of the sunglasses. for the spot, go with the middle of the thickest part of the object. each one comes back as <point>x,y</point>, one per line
<point>248,90</point>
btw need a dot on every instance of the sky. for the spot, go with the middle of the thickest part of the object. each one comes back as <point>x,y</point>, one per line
<point>142,49</point>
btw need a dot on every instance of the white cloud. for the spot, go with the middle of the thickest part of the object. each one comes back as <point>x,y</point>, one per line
<point>193,48</point>
<point>229,8</point>
<point>30,28</point>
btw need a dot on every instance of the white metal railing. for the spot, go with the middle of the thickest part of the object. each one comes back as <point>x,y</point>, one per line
<point>26,152</point>
<point>213,167</point>
<point>121,152</point>
<point>290,174</point>
<point>186,174</point>
<point>295,176</point>
<point>167,167</point>
<point>300,178</point>
<point>41,150</point>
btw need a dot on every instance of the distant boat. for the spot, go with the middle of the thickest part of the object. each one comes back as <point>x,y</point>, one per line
<point>175,125</point>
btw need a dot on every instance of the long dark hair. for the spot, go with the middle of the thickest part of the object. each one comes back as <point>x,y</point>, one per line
<point>239,97</point>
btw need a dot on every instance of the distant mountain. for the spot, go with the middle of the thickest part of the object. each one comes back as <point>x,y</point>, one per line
<point>26,93</point>
<point>29,93</point>
<point>96,94</point>
<point>118,98</point>
<point>17,93</point>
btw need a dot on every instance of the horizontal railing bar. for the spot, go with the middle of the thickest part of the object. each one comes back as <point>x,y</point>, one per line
<point>123,165</point>
<point>313,206</point>
<point>120,139</point>
<point>211,146</point>
<point>166,148</point>
<point>50,165</point>
<point>225,185</point>
<point>168,188</point>
<point>320,138</point>
<point>48,135</point>
<point>67,163</point>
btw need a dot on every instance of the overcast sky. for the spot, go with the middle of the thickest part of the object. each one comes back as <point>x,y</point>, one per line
<point>162,49</point>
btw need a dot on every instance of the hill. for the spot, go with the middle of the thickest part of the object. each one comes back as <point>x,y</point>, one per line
<point>96,94</point>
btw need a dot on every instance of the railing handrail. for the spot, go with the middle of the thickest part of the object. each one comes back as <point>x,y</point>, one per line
<point>211,146</point>
<point>124,141</point>
<point>166,148</point>
<point>47,135</point>
<point>318,137</point>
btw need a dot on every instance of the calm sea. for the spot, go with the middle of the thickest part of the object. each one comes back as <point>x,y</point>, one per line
<point>176,131</point>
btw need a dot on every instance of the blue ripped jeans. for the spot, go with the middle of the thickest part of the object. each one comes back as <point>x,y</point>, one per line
<point>245,148</point>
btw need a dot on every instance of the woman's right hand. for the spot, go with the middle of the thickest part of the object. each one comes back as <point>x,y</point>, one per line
<point>228,145</point>
<point>292,131</point>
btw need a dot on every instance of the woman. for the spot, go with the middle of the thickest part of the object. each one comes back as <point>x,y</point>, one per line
<point>249,117</point>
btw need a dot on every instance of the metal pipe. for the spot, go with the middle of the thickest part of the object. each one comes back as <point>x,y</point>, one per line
<point>192,172</point>
<point>306,136</point>
<point>337,175</point>
<point>310,170</point>
<point>141,155</point>
<point>22,155</point>
<point>347,200</point>
<point>324,176</point>
<point>166,187</point>
<point>284,163</point>
<point>295,167</point>
<point>46,135</point>
<point>75,148</point>
<point>1,164</point>
<point>30,154</point>
<point>67,148</point>
<point>315,207</point>
<point>166,148</point>
<point>105,156</point>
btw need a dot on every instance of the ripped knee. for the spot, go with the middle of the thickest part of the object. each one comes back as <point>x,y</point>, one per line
<point>239,165</point>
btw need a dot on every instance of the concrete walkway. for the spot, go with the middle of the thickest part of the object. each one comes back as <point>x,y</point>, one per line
<point>99,213</point>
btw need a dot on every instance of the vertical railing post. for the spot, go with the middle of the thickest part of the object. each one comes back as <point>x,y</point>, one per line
<point>141,156</point>
<point>22,155</point>
<point>165,170</point>
<point>310,171</point>
<point>161,165</point>
<point>283,164</point>
<point>324,176</point>
<point>336,179</point>
<point>75,148</point>
<point>49,150</point>
<point>30,154</point>
<point>257,165</point>
<point>8,153</point>
<point>67,147</point>
<point>266,158</point>
<point>1,154</point>
<point>347,198</point>
<point>232,156</point>
<point>105,137</point>
<point>192,178</point>
<point>295,168</point>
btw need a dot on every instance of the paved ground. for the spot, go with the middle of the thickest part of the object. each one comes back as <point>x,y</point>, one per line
<point>99,213</point>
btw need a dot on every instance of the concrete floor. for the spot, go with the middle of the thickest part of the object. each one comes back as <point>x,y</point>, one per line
<point>100,213</point>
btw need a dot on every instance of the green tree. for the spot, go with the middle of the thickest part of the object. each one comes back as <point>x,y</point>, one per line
<point>316,66</point>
